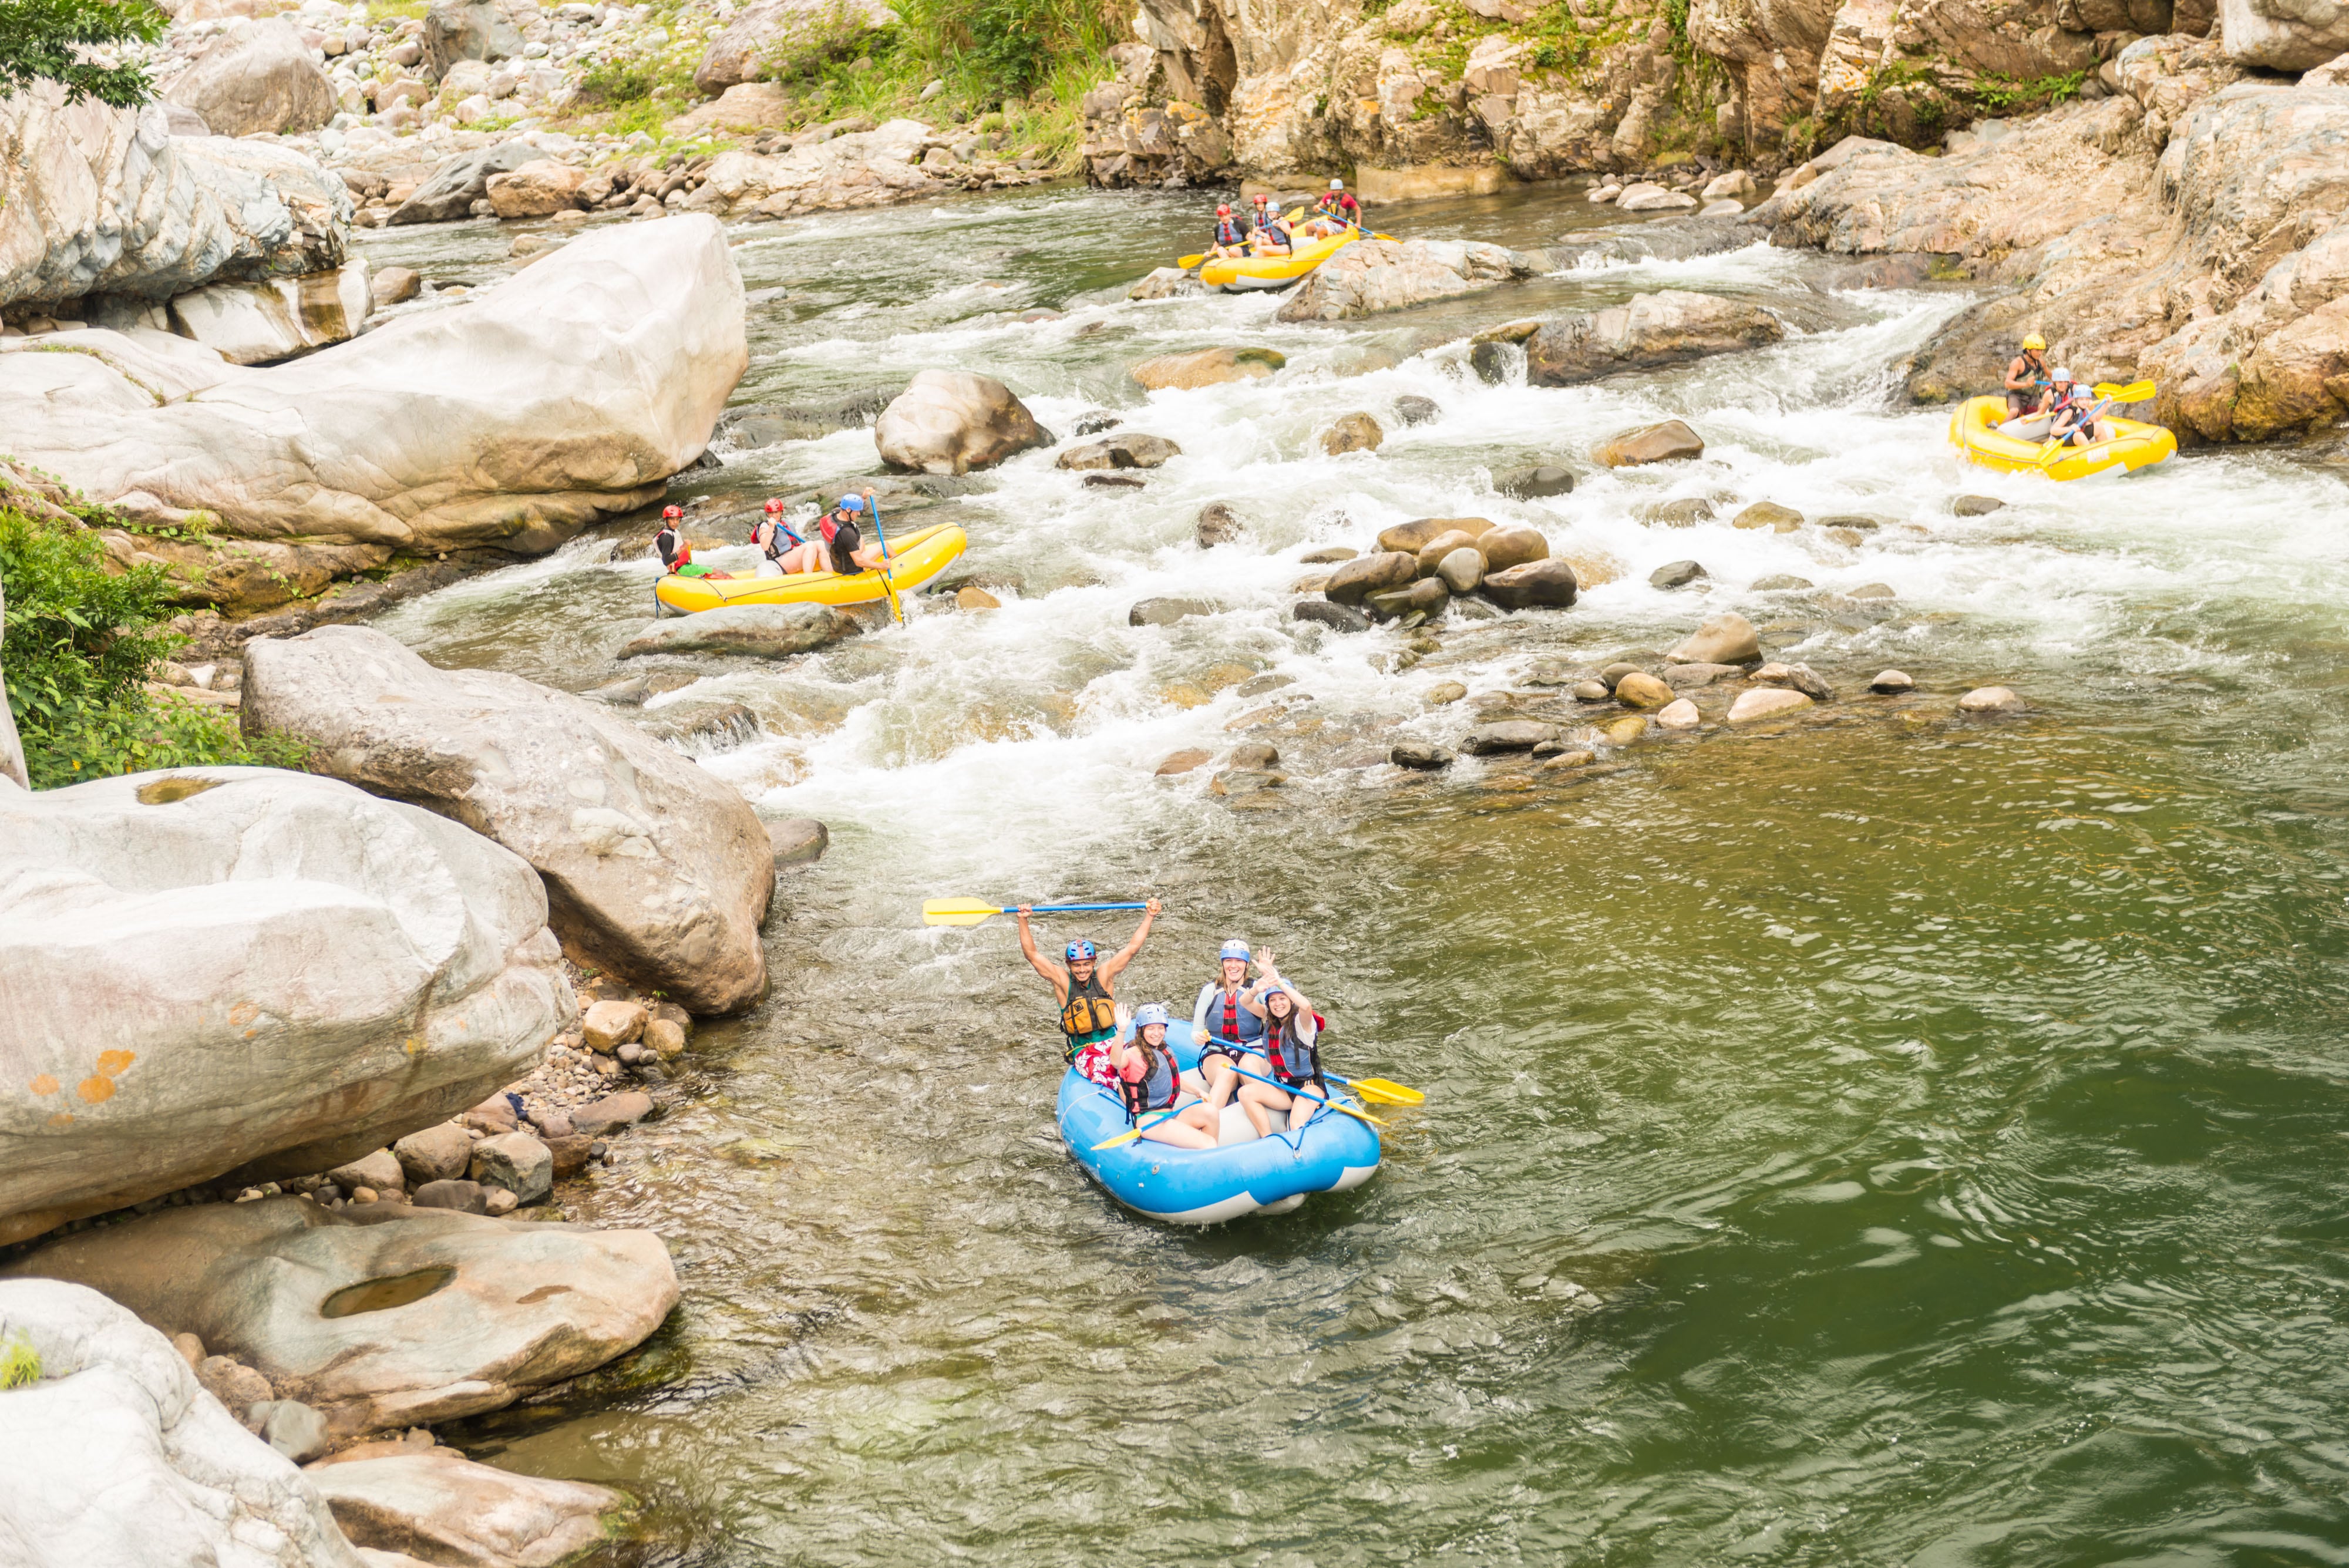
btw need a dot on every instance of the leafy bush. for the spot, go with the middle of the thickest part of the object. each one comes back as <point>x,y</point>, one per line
<point>77,644</point>
<point>52,40</point>
<point>987,51</point>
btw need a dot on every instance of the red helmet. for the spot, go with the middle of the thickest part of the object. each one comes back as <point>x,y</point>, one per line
<point>1223,209</point>
<point>672,511</point>
<point>1261,198</point>
<point>774,506</point>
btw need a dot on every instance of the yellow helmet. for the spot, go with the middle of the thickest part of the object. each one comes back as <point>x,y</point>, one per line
<point>2036,341</point>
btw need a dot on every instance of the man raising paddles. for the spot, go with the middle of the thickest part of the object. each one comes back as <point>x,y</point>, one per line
<point>1087,985</point>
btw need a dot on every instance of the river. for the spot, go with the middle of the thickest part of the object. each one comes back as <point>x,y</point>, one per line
<point>1946,1114</point>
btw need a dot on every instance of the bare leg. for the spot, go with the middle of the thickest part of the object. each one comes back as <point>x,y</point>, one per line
<point>1258,1101</point>
<point>1180,1131</point>
<point>1220,1079</point>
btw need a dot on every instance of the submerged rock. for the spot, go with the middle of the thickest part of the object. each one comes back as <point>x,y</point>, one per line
<point>659,871</point>
<point>951,421</point>
<point>1769,514</point>
<point>1326,612</point>
<point>1724,638</point>
<point>798,840</point>
<point>1121,452</point>
<point>1167,612</point>
<point>1766,702</point>
<point>117,1459</point>
<point>1352,432</point>
<point>1417,535</point>
<point>316,973</point>
<point>1649,330</point>
<point>383,1315</point>
<point>757,631</point>
<point>1208,368</point>
<point>1676,575</point>
<point>1419,756</point>
<point>1532,482</point>
<point>1507,735</point>
<point>1892,681</point>
<point>433,1505</point>
<point>1219,524</point>
<point>1536,584</point>
<point>1990,700</point>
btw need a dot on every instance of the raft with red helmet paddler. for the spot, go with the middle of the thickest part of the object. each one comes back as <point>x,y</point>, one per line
<point>825,561</point>
<point>1234,1112</point>
<point>1265,249</point>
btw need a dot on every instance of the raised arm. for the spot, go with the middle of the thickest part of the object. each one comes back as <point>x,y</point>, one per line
<point>1038,963</point>
<point>1115,965</point>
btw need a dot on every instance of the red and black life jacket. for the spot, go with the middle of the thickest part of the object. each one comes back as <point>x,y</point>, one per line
<point>1159,1086</point>
<point>1294,1061</point>
<point>1230,231</point>
<point>843,538</point>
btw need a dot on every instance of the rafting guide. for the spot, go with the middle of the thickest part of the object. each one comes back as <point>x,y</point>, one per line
<point>1086,984</point>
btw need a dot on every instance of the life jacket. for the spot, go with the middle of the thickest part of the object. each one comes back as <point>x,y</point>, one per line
<point>1230,231</point>
<point>1341,205</point>
<point>1159,1086</point>
<point>778,533</point>
<point>1272,232</point>
<point>675,553</point>
<point>1228,1022</point>
<point>1295,1060</point>
<point>843,538</point>
<point>1090,1015</point>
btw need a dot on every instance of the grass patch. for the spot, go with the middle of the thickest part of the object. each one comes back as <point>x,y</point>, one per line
<point>20,1363</point>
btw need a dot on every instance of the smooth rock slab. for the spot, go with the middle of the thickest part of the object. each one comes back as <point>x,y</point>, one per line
<point>1120,451</point>
<point>116,1459</point>
<point>1766,702</point>
<point>756,631</point>
<point>653,869</point>
<point>621,1110</point>
<point>1529,484</point>
<point>522,1304</point>
<point>227,968</point>
<point>1167,612</point>
<point>435,1506</point>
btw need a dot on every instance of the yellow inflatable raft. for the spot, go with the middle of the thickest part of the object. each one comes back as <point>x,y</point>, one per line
<point>1239,273</point>
<point>915,559</point>
<point>1974,431</point>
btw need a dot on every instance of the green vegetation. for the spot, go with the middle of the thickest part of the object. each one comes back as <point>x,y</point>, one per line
<point>20,1363</point>
<point>1998,95</point>
<point>47,40</point>
<point>78,645</point>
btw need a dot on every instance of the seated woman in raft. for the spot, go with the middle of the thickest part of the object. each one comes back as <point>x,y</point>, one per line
<point>1227,1021</point>
<point>1149,1083</point>
<point>1292,1052</point>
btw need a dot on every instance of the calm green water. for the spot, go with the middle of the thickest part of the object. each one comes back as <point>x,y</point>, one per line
<point>1948,1116</point>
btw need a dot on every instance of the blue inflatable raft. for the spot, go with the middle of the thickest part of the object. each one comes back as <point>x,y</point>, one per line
<point>1244,1175</point>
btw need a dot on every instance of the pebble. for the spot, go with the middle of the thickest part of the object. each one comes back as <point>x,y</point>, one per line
<point>1626,730</point>
<point>1592,692</point>
<point>607,1025</point>
<point>1637,688</point>
<point>1769,514</point>
<point>1691,677</point>
<point>1800,677</point>
<point>1509,735</point>
<point>1680,715</point>
<point>1892,681</point>
<point>1255,754</point>
<point>1423,756</point>
<point>1577,759</point>
<point>1872,591</point>
<point>1447,691</point>
<point>1677,575</point>
<point>1329,556</point>
<point>1966,506</point>
<point>1725,638</point>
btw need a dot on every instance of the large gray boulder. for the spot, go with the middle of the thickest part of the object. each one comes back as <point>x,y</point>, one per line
<point>100,200</point>
<point>226,968</point>
<point>772,39</point>
<point>118,1460</point>
<point>468,30</point>
<point>863,169</point>
<point>1372,276</point>
<point>570,391</point>
<point>461,181</point>
<point>654,869</point>
<point>951,421</point>
<point>435,1506</point>
<point>259,77</point>
<point>2283,35</point>
<point>1646,331</point>
<point>381,1315</point>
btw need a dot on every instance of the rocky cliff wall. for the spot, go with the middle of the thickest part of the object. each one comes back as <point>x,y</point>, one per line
<point>1218,90</point>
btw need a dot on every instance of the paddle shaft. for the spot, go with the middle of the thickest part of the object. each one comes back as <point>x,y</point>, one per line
<point>1301,1095</point>
<point>873,506</point>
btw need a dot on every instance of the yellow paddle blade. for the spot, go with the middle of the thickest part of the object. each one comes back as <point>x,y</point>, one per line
<point>1386,1091</point>
<point>1188,263</point>
<point>2135,392</point>
<point>957,911</point>
<point>1128,1136</point>
<point>1359,1116</point>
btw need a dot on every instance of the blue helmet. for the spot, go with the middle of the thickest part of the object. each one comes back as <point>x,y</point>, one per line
<point>1149,1013</point>
<point>1235,948</point>
<point>850,503</point>
<point>1080,949</point>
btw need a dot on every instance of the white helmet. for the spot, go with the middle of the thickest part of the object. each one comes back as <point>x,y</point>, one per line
<point>1337,184</point>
